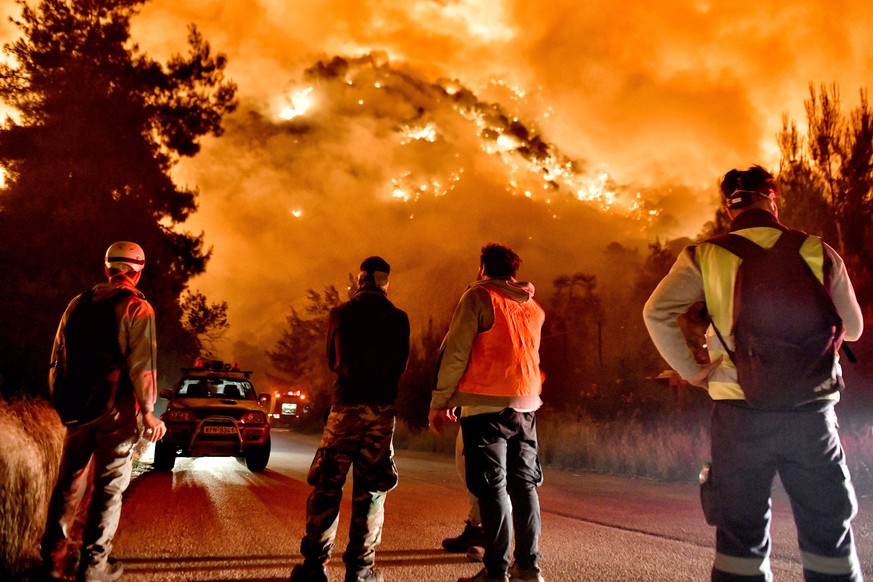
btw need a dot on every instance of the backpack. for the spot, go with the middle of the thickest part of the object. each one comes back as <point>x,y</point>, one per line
<point>88,372</point>
<point>786,328</point>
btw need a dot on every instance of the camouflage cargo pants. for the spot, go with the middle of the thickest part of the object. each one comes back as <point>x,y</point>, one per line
<point>359,436</point>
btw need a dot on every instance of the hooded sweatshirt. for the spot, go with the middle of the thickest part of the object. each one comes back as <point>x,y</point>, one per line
<point>474,315</point>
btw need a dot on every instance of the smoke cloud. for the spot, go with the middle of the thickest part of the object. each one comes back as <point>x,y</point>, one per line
<point>420,130</point>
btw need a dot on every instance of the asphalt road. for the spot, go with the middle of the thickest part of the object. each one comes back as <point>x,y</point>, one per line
<point>212,519</point>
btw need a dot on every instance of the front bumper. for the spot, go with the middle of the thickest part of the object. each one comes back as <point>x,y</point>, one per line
<point>215,436</point>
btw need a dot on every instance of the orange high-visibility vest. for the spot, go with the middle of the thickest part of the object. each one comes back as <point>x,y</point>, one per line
<point>505,360</point>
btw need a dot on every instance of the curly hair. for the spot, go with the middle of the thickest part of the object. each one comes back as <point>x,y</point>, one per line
<point>499,260</point>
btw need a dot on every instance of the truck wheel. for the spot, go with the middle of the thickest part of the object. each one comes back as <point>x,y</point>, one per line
<point>258,456</point>
<point>165,456</point>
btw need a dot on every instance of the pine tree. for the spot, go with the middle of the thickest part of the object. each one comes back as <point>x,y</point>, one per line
<point>87,161</point>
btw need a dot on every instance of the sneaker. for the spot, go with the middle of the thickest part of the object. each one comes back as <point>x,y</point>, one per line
<point>532,574</point>
<point>471,536</point>
<point>367,575</point>
<point>308,573</point>
<point>483,576</point>
<point>475,553</point>
<point>107,571</point>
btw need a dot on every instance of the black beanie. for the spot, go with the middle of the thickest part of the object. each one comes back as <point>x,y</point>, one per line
<point>372,264</point>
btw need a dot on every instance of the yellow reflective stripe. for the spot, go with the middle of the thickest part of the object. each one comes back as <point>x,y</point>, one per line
<point>742,566</point>
<point>725,391</point>
<point>832,566</point>
<point>718,268</point>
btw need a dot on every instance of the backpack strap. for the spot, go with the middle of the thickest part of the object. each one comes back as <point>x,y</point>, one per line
<point>736,244</point>
<point>791,240</point>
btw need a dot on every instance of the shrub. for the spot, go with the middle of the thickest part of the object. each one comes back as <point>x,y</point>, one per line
<point>33,439</point>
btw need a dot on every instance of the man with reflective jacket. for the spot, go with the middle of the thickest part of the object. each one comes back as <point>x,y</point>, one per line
<point>750,445</point>
<point>489,366</point>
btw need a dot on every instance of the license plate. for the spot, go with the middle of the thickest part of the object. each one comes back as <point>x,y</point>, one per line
<point>289,408</point>
<point>219,430</point>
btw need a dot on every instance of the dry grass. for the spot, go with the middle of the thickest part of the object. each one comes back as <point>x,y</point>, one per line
<point>665,450</point>
<point>624,447</point>
<point>424,440</point>
<point>30,454</point>
<point>655,450</point>
<point>631,447</point>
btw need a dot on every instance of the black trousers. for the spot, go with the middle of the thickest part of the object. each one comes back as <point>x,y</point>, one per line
<point>503,472</point>
<point>749,447</point>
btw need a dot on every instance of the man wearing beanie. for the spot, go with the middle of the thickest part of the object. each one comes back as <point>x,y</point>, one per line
<point>367,348</point>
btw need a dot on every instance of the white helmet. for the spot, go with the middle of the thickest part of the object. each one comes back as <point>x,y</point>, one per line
<point>125,256</point>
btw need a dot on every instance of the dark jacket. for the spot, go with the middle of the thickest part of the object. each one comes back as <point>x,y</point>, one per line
<point>367,347</point>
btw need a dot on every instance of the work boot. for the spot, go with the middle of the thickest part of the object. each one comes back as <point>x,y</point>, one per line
<point>64,569</point>
<point>53,571</point>
<point>483,576</point>
<point>366,575</point>
<point>532,574</point>
<point>475,553</point>
<point>473,535</point>
<point>107,571</point>
<point>308,573</point>
<point>58,563</point>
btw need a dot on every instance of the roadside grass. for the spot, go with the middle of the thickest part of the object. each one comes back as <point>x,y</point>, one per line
<point>632,447</point>
<point>670,449</point>
<point>30,452</point>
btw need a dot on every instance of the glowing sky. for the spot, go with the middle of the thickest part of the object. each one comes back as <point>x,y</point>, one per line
<point>639,105</point>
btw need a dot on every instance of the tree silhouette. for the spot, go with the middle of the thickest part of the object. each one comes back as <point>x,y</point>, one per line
<point>207,322</point>
<point>299,355</point>
<point>826,180</point>
<point>87,161</point>
<point>413,398</point>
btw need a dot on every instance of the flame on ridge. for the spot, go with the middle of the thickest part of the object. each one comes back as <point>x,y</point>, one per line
<point>536,168</point>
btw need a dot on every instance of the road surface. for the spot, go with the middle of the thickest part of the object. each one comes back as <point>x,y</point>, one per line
<point>212,519</point>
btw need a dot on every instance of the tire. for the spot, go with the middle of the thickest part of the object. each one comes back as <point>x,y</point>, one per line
<point>257,457</point>
<point>165,456</point>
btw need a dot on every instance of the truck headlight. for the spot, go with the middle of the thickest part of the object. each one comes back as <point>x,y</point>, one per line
<point>254,417</point>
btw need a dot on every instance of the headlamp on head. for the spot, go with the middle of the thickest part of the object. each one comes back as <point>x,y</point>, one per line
<point>742,198</point>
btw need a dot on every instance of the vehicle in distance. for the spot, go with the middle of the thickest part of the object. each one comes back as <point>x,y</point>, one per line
<point>214,411</point>
<point>285,408</point>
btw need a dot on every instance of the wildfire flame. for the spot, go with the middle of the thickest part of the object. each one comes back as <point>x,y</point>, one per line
<point>298,104</point>
<point>536,169</point>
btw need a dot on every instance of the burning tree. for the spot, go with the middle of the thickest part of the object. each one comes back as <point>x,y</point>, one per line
<point>87,161</point>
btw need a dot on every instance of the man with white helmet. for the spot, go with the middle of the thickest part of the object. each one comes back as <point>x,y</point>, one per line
<point>114,318</point>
